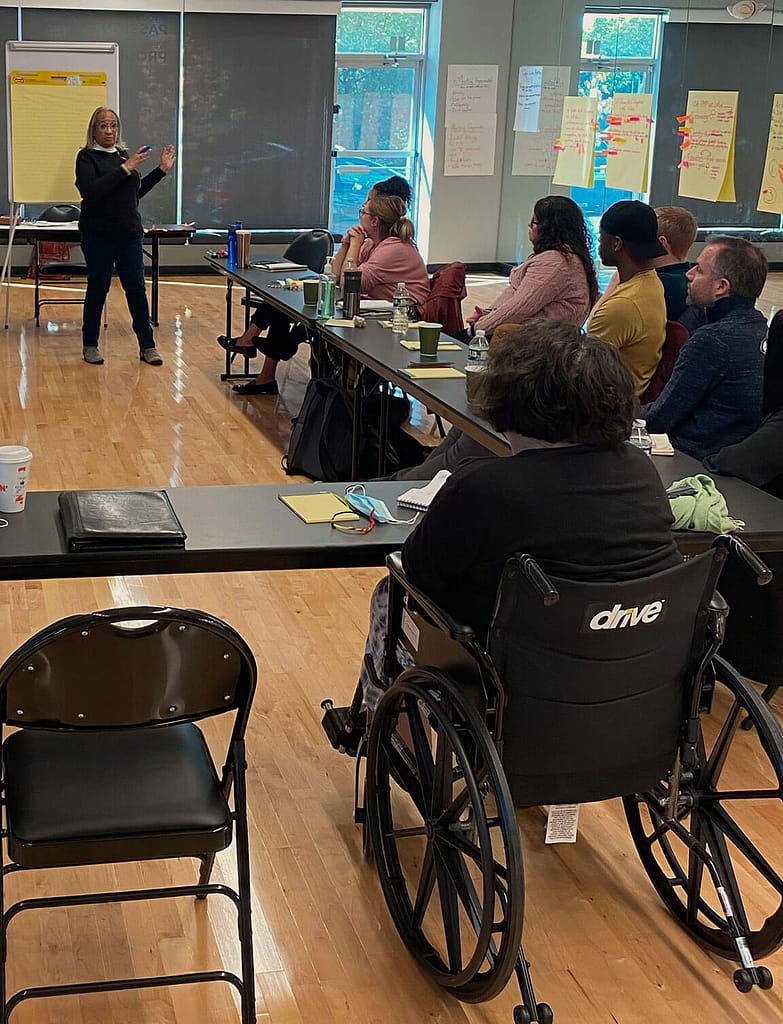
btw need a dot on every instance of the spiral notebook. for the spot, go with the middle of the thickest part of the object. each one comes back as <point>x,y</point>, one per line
<point>419,498</point>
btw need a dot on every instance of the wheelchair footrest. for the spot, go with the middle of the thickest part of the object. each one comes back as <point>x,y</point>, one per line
<point>344,731</point>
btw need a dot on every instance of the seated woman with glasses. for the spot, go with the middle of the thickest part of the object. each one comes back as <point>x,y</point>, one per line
<point>573,494</point>
<point>392,257</point>
<point>557,281</point>
<point>381,246</point>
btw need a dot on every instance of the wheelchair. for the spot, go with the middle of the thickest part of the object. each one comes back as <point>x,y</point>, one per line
<point>585,691</point>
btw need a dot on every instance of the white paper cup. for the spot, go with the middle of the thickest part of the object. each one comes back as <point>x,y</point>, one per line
<point>14,470</point>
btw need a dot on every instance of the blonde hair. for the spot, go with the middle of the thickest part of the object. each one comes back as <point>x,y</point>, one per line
<point>678,226</point>
<point>390,213</point>
<point>94,120</point>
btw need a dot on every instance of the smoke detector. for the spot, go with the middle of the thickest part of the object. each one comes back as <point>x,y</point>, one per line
<point>745,9</point>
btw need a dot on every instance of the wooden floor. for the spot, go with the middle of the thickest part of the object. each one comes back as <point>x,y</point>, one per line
<point>603,949</point>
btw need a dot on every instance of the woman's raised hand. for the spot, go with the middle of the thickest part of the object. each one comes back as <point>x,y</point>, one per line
<point>167,158</point>
<point>133,161</point>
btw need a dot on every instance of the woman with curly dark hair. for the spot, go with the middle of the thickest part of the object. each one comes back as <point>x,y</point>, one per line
<point>573,493</point>
<point>557,282</point>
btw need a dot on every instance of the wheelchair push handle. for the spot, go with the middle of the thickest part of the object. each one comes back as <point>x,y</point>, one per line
<point>539,580</point>
<point>739,549</point>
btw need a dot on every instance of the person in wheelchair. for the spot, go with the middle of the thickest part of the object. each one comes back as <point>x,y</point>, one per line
<point>573,494</point>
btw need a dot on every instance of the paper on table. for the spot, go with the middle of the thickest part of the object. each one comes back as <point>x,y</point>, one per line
<point>432,372</point>
<point>661,445</point>
<point>274,266</point>
<point>333,322</point>
<point>320,507</point>
<point>443,346</point>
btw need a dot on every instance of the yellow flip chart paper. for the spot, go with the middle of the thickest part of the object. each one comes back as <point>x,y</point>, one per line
<point>771,192</point>
<point>627,138</point>
<point>64,101</point>
<point>575,147</point>
<point>709,131</point>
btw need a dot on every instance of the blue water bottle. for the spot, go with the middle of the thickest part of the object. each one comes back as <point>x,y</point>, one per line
<point>233,252</point>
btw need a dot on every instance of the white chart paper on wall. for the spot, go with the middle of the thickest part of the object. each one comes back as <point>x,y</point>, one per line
<point>533,152</point>
<point>471,119</point>
<point>529,88</point>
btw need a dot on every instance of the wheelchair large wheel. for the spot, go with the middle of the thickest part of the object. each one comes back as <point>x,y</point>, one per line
<point>733,806</point>
<point>445,836</point>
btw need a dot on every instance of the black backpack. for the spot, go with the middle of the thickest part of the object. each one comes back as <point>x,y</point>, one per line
<point>320,445</point>
<point>321,441</point>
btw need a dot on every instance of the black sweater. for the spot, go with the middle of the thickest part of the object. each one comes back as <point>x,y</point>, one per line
<point>110,197</point>
<point>582,512</point>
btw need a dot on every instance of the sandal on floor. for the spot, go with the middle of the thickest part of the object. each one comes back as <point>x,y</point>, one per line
<point>230,345</point>
<point>270,388</point>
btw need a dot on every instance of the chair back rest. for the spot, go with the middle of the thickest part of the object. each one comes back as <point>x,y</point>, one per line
<point>62,214</point>
<point>126,667</point>
<point>311,248</point>
<point>596,683</point>
<point>676,337</point>
<point>444,303</point>
<point>753,640</point>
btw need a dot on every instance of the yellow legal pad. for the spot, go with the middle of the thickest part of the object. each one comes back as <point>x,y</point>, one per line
<point>432,372</point>
<point>320,507</point>
<point>443,346</point>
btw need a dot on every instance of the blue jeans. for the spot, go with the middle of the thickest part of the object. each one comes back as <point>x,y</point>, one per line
<point>101,255</point>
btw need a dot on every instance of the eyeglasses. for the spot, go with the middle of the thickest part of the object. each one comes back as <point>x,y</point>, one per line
<point>533,223</point>
<point>362,211</point>
<point>106,126</point>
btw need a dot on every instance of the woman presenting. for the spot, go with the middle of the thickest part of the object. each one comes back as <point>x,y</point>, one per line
<point>110,185</point>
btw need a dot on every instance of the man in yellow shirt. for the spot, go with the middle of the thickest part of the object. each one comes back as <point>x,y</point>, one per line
<point>633,316</point>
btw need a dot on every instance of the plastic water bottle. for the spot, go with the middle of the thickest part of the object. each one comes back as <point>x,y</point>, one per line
<point>640,438</point>
<point>478,349</point>
<point>233,247</point>
<point>402,302</point>
<point>327,286</point>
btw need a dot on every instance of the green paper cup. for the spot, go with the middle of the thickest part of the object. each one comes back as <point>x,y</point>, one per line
<point>310,289</point>
<point>429,335</point>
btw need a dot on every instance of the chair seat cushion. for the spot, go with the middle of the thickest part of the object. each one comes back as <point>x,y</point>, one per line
<point>83,797</point>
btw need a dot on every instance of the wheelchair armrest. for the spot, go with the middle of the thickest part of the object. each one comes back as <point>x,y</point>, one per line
<point>739,549</point>
<point>442,619</point>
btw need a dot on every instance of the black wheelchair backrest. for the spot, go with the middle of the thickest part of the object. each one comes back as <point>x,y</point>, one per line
<point>596,678</point>
<point>125,667</point>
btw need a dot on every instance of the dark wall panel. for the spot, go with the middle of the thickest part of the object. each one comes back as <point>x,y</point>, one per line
<point>8,29</point>
<point>258,95</point>
<point>747,58</point>
<point>149,79</point>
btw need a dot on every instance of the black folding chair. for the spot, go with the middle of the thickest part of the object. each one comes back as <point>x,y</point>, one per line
<point>107,765</point>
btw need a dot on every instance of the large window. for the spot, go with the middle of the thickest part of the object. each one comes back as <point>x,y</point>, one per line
<point>380,57</point>
<point>620,53</point>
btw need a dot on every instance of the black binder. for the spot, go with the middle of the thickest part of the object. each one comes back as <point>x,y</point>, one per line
<point>119,520</point>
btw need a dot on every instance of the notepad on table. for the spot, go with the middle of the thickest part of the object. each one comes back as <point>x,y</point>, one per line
<point>443,346</point>
<point>661,444</point>
<point>273,266</point>
<point>419,498</point>
<point>318,507</point>
<point>432,372</point>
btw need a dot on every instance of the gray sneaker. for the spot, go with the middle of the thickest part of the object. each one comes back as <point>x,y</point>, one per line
<point>151,355</point>
<point>92,355</point>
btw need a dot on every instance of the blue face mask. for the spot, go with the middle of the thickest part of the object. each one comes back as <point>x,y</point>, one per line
<point>366,505</point>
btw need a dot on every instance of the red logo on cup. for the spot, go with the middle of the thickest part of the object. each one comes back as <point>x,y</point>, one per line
<point>3,488</point>
<point>19,499</point>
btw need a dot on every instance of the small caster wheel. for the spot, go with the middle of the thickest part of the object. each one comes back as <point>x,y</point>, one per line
<point>747,724</point>
<point>743,979</point>
<point>545,1015</point>
<point>521,1015</point>
<point>765,977</point>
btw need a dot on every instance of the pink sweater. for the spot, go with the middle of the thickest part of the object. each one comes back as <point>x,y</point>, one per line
<point>549,284</point>
<point>390,262</point>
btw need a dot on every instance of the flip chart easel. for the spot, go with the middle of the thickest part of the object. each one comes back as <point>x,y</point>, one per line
<point>53,87</point>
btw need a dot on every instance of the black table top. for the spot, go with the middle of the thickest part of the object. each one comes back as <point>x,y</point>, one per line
<point>69,230</point>
<point>241,528</point>
<point>230,529</point>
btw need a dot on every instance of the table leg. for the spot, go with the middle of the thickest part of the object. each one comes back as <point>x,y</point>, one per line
<point>357,421</point>
<point>155,257</point>
<point>383,427</point>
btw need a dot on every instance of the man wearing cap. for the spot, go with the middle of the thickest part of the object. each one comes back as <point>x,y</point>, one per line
<point>633,316</point>
<point>714,395</point>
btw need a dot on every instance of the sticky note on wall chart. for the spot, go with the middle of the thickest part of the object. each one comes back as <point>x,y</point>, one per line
<point>708,132</point>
